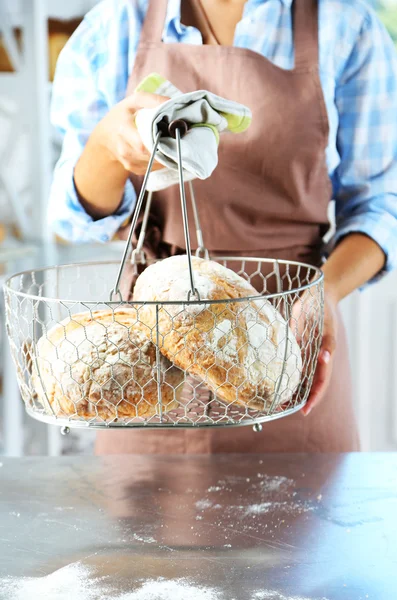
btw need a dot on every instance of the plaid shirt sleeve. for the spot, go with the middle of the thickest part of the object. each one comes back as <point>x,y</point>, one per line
<point>85,88</point>
<point>365,182</point>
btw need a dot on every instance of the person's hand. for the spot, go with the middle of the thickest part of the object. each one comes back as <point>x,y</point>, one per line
<point>304,313</point>
<point>323,372</point>
<point>118,135</point>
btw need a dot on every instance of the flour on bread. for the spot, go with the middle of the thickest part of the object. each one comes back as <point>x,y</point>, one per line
<point>242,348</point>
<point>169,280</point>
<point>101,364</point>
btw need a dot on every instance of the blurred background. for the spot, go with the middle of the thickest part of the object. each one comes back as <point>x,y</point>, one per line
<point>32,33</point>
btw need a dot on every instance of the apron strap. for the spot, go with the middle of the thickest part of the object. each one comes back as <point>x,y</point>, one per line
<point>153,25</point>
<point>305,17</point>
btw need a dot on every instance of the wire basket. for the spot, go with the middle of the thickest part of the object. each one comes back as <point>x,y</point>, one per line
<point>105,362</point>
<point>77,382</point>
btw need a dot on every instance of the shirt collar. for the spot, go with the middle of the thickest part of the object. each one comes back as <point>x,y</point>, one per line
<point>173,17</point>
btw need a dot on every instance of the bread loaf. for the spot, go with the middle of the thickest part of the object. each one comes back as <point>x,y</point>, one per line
<point>243,350</point>
<point>101,364</point>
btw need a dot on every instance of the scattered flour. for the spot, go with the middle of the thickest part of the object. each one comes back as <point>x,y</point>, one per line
<point>78,582</point>
<point>72,581</point>
<point>274,484</point>
<point>232,479</point>
<point>203,504</point>
<point>259,509</point>
<point>265,507</point>
<point>270,488</point>
<point>144,538</point>
<point>266,483</point>
<point>269,595</point>
<point>174,589</point>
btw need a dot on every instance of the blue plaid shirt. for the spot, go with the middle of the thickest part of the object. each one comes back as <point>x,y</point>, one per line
<point>358,69</point>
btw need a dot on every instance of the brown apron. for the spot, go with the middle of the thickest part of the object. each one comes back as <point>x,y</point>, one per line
<point>268,197</point>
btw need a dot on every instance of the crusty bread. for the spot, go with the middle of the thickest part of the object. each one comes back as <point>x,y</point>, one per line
<point>237,348</point>
<point>100,364</point>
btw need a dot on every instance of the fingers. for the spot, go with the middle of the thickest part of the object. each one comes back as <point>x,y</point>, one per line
<point>157,166</point>
<point>322,375</point>
<point>139,166</point>
<point>323,371</point>
<point>141,169</point>
<point>304,316</point>
<point>139,100</point>
<point>130,147</point>
<point>131,151</point>
<point>118,135</point>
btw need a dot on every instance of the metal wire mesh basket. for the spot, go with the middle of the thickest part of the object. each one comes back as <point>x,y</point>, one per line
<point>105,362</point>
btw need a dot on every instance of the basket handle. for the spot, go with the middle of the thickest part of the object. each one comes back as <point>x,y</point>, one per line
<point>201,251</point>
<point>138,255</point>
<point>193,291</point>
<point>176,129</point>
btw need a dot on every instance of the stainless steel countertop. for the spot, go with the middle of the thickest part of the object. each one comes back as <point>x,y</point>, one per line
<point>289,526</point>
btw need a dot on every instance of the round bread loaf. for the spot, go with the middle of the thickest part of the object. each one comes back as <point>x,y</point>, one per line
<point>244,351</point>
<point>101,364</point>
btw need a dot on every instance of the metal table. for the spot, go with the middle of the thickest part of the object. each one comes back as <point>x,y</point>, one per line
<point>279,527</point>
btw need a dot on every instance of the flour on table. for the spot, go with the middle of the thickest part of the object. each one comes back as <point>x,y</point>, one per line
<point>274,484</point>
<point>72,581</point>
<point>78,582</point>
<point>265,507</point>
<point>203,504</point>
<point>144,538</point>
<point>259,509</point>
<point>173,589</point>
<point>271,595</point>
